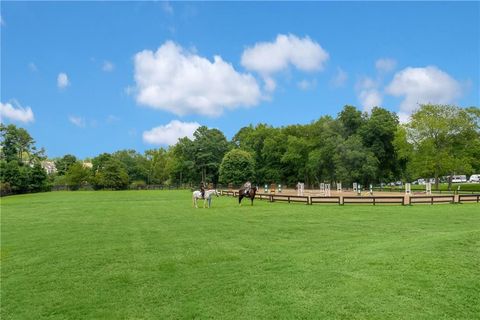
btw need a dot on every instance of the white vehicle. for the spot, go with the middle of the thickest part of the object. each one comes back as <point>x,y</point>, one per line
<point>474,178</point>
<point>459,178</point>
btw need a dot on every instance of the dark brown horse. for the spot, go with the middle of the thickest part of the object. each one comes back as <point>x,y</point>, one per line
<point>243,193</point>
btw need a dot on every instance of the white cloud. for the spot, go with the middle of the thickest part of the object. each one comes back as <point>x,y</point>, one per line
<point>108,66</point>
<point>339,79</point>
<point>423,85</point>
<point>368,93</point>
<point>270,57</point>
<point>32,66</point>
<point>78,121</point>
<point>269,84</point>
<point>170,133</point>
<point>16,113</point>
<point>370,98</point>
<point>385,65</point>
<point>176,80</point>
<point>307,85</point>
<point>62,80</point>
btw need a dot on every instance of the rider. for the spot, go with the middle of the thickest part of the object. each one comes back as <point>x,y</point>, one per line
<point>246,187</point>
<point>202,189</point>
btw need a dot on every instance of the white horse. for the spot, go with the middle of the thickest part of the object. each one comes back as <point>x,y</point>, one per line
<point>208,197</point>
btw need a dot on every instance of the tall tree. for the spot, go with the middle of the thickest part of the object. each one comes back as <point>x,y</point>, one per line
<point>351,120</point>
<point>237,167</point>
<point>136,164</point>
<point>378,133</point>
<point>210,147</point>
<point>354,162</point>
<point>157,169</point>
<point>77,175</point>
<point>63,164</point>
<point>442,137</point>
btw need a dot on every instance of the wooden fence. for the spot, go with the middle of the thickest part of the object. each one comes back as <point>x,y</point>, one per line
<point>432,199</point>
<point>371,200</point>
<point>375,200</point>
<point>469,198</point>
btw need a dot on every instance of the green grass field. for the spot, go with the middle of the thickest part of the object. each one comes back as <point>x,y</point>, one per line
<point>150,255</point>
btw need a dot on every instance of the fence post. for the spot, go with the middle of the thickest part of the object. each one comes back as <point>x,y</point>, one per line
<point>373,200</point>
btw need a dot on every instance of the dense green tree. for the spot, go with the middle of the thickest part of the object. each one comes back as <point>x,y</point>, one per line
<point>137,165</point>
<point>20,161</point>
<point>64,163</point>
<point>378,133</point>
<point>16,175</point>
<point>157,169</point>
<point>237,167</point>
<point>110,175</point>
<point>404,153</point>
<point>443,138</point>
<point>77,175</point>
<point>351,120</point>
<point>180,163</point>
<point>354,162</point>
<point>210,146</point>
<point>295,159</point>
<point>98,163</point>
<point>17,144</point>
<point>272,169</point>
<point>37,179</point>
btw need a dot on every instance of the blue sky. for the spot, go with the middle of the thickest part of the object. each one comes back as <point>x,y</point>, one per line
<point>86,78</point>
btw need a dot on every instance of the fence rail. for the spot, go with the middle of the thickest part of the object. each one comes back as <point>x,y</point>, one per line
<point>289,198</point>
<point>432,199</point>
<point>375,200</point>
<point>325,200</point>
<point>469,198</point>
<point>372,200</point>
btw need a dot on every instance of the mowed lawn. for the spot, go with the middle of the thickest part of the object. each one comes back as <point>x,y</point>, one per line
<point>150,255</point>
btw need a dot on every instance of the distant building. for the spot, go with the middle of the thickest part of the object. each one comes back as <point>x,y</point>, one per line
<point>87,164</point>
<point>49,166</point>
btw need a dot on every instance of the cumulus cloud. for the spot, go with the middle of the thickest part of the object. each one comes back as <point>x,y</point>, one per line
<point>270,57</point>
<point>77,121</point>
<point>62,80</point>
<point>369,94</point>
<point>108,66</point>
<point>370,98</point>
<point>339,79</point>
<point>176,80</point>
<point>170,133</point>
<point>16,113</point>
<point>423,85</point>
<point>385,65</point>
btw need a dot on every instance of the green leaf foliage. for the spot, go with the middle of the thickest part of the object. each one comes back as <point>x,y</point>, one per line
<point>237,167</point>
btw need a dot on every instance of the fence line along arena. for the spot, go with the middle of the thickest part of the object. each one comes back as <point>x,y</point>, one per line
<point>358,194</point>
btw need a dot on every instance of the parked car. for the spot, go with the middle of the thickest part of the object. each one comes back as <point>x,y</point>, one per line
<point>474,178</point>
<point>459,178</point>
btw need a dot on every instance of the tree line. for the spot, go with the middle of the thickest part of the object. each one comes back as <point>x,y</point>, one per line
<point>352,147</point>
